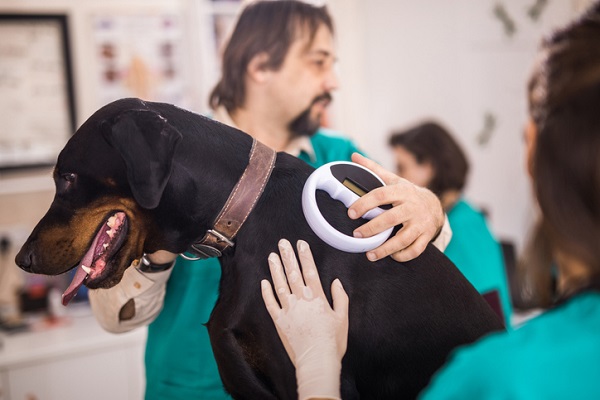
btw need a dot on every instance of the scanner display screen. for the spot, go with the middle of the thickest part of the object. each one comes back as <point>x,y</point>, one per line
<point>355,187</point>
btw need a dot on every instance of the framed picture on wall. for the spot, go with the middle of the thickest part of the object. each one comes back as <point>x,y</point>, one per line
<point>37,105</point>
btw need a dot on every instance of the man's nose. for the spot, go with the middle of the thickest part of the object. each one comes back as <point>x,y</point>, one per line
<point>331,81</point>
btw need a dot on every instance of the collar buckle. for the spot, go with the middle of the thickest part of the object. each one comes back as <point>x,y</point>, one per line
<point>220,237</point>
<point>201,251</point>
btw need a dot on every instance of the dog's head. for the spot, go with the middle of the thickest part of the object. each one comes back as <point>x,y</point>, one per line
<point>109,177</point>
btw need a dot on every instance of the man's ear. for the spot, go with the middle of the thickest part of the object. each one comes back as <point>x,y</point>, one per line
<point>147,142</point>
<point>258,69</point>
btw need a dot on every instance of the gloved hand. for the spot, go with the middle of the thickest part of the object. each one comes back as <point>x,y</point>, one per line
<point>418,209</point>
<point>314,335</point>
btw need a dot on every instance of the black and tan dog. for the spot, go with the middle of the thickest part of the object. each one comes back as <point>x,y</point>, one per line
<point>138,177</point>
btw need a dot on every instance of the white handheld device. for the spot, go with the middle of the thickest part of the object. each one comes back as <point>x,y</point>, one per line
<point>346,182</point>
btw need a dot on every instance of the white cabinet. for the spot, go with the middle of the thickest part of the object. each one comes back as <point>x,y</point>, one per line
<point>72,362</point>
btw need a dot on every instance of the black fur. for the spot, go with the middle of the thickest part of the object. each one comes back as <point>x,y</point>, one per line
<point>404,318</point>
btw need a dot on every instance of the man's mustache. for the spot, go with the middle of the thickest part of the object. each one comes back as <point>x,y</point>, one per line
<point>323,97</point>
<point>304,124</point>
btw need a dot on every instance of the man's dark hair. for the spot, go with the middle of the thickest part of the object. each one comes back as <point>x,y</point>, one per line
<point>564,102</point>
<point>263,27</point>
<point>430,142</point>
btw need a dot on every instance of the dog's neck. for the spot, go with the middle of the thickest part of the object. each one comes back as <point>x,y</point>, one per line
<point>239,205</point>
<point>209,161</point>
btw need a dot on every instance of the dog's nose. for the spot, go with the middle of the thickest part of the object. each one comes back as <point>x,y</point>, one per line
<point>24,259</point>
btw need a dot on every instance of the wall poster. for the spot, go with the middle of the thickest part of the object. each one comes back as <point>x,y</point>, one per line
<point>37,106</point>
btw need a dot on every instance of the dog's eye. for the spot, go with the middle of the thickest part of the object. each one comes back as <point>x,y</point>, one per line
<point>70,177</point>
<point>66,180</point>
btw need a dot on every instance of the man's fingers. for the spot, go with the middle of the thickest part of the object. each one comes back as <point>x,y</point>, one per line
<point>396,194</point>
<point>413,251</point>
<point>397,248</point>
<point>279,279</point>
<point>269,299</point>
<point>402,240</point>
<point>309,270</point>
<point>386,220</point>
<point>369,201</point>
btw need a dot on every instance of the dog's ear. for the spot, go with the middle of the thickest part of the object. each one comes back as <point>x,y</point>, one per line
<point>147,142</point>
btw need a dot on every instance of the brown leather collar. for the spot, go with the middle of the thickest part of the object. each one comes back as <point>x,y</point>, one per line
<point>240,203</point>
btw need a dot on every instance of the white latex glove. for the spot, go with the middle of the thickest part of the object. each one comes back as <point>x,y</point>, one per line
<point>314,335</point>
<point>417,208</point>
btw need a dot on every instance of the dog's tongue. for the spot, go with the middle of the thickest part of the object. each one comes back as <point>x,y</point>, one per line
<point>80,275</point>
<point>76,283</point>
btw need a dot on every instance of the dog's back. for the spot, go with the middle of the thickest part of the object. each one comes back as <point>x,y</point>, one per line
<point>405,318</point>
<point>406,322</point>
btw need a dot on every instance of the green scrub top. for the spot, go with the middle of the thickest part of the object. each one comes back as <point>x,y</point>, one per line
<point>554,356</point>
<point>179,360</point>
<point>477,254</point>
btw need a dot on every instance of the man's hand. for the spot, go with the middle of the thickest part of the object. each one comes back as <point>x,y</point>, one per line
<point>416,208</point>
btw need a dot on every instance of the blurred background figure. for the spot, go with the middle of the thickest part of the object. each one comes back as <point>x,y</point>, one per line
<point>428,156</point>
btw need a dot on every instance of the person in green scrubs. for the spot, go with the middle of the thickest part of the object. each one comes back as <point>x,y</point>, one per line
<point>554,355</point>
<point>428,156</point>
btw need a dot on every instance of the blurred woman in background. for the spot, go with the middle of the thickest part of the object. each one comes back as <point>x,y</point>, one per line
<point>427,155</point>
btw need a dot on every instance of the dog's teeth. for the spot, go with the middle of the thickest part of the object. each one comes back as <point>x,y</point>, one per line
<point>105,245</point>
<point>111,221</point>
<point>86,269</point>
<point>110,233</point>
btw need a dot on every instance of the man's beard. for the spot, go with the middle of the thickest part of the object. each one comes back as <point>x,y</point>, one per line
<point>304,124</point>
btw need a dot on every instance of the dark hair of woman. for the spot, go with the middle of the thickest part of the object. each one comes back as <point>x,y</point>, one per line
<point>430,142</point>
<point>564,100</point>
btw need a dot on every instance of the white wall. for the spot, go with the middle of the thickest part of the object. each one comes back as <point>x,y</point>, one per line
<point>402,61</point>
